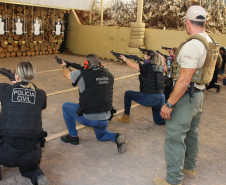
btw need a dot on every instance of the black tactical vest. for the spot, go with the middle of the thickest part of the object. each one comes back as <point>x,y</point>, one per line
<point>152,82</point>
<point>97,96</point>
<point>21,112</point>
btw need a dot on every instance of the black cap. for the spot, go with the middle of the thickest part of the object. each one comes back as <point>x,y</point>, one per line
<point>222,49</point>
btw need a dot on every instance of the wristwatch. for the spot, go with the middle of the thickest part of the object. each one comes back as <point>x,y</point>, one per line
<point>169,105</point>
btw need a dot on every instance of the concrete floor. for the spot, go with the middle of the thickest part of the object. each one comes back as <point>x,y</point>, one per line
<point>99,163</point>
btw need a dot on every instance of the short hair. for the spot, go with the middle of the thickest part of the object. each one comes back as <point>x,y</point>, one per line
<point>25,71</point>
<point>201,24</point>
<point>93,59</point>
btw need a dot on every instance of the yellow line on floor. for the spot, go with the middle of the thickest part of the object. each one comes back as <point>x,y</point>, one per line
<point>72,89</point>
<point>75,88</point>
<point>53,70</point>
<point>64,91</point>
<point>82,126</point>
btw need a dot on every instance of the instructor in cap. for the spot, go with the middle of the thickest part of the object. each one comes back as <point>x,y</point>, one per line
<point>193,67</point>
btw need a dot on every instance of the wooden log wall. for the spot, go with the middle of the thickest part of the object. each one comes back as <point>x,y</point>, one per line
<point>28,44</point>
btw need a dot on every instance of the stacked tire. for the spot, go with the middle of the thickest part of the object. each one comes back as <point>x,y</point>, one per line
<point>136,39</point>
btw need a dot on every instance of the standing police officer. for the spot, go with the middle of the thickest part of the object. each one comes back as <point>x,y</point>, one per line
<point>21,130</point>
<point>95,103</point>
<point>152,84</point>
<point>222,51</point>
<point>193,68</point>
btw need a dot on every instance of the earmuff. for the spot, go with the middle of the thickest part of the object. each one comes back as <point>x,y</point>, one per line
<point>87,64</point>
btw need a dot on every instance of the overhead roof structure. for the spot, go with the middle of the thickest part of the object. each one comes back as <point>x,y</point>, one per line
<point>58,4</point>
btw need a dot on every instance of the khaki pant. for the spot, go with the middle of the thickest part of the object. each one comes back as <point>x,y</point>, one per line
<point>181,138</point>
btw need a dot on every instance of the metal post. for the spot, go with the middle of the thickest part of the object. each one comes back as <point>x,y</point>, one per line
<point>90,12</point>
<point>140,11</point>
<point>102,12</point>
<point>90,17</point>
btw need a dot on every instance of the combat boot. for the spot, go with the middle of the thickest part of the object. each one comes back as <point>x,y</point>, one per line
<point>121,143</point>
<point>189,173</point>
<point>218,88</point>
<point>42,180</point>
<point>161,181</point>
<point>69,139</point>
<point>124,118</point>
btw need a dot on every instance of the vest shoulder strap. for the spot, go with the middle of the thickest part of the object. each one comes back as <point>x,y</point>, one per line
<point>203,40</point>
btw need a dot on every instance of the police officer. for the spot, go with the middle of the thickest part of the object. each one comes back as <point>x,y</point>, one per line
<point>222,51</point>
<point>95,103</point>
<point>193,67</point>
<point>214,83</point>
<point>152,83</point>
<point>21,124</point>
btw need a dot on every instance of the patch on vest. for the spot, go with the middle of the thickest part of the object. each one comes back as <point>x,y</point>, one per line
<point>20,95</point>
<point>102,80</point>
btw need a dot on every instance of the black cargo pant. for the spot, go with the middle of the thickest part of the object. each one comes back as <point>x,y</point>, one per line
<point>27,160</point>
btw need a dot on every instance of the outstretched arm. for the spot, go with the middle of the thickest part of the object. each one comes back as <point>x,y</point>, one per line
<point>66,71</point>
<point>130,63</point>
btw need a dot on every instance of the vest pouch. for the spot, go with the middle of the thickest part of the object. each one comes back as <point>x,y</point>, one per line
<point>160,81</point>
<point>169,82</point>
<point>141,84</point>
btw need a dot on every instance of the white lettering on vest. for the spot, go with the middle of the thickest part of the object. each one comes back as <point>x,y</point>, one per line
<point>23,95</point>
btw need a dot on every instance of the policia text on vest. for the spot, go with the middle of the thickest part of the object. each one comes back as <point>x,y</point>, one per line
<point>23,95</point>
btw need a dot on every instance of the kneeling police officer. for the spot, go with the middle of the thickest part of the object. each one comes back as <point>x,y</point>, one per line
<point>95,103</point>
<point>21,133</point>
<point>152,84</point>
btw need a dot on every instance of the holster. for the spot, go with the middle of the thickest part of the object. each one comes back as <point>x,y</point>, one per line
<point>113,111</point>
<point>191,90</point>
<point>79,111</point>
<point>42,139</point>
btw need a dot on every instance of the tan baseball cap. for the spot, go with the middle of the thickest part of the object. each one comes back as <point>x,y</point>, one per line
<point>196,13</point>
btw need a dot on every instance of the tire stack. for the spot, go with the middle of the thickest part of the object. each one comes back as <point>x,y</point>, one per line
<point>136,39</point>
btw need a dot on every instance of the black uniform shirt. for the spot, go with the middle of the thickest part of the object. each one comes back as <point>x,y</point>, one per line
<point>18,142</point>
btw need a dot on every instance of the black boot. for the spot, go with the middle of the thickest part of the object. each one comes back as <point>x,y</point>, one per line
<point>218,87</point>
<point>69,139</point>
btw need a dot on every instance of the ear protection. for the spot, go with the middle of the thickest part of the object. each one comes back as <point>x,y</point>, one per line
<point>87,64</point>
